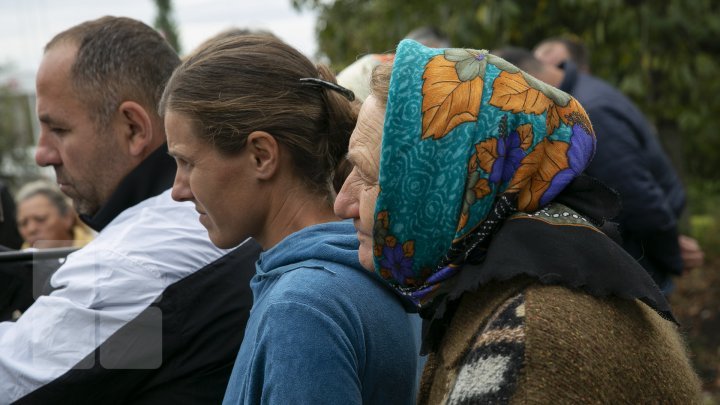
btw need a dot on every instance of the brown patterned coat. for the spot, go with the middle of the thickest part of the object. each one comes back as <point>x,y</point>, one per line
<point>524,342</point>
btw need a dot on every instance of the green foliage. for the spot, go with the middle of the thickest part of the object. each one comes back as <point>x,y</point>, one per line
<point>703,197</point>
<point>16,136</point>
<point>663,54</point>
<point>165,23</point>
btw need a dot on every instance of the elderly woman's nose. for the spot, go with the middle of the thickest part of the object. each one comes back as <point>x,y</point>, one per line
<point>346,202</point>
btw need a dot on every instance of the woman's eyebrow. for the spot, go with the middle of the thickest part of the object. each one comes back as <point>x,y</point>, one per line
<point>177,155</point>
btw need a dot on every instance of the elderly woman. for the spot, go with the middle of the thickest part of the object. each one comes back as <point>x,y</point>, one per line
<point>258,132</point>
<point>46,219</point>
<point>467,198</point>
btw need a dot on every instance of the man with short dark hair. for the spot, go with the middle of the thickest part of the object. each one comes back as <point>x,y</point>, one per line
<point>429,36</point>
<point>150,311</point>
<point>556,50</point>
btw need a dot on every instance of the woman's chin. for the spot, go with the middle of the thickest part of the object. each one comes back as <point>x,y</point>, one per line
<point>50,243</point>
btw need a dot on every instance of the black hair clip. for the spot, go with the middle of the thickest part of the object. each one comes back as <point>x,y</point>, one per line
<point>309,81</point>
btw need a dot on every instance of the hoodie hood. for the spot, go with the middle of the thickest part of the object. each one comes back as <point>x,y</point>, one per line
<point>332,242</point>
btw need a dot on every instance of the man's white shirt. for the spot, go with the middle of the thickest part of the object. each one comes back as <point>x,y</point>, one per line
<point>99,289</point>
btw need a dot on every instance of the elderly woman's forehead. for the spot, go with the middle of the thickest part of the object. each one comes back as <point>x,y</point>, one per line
<point>365,132</point>
<point>370,121</point>
<point>36,199</point>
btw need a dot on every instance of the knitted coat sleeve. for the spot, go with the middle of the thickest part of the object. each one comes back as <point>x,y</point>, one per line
<point>489,371</point>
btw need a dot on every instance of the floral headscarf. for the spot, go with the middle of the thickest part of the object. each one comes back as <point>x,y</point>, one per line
<point>468,140</point>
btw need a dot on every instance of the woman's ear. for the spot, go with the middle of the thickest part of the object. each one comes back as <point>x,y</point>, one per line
<point>264,151</point>
<point>137,129</point>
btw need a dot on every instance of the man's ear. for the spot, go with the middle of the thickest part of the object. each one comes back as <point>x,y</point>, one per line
<point>264,151</point>
<point>137,128</point>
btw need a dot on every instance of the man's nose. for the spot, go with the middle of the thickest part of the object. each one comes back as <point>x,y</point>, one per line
<point>46,153</point>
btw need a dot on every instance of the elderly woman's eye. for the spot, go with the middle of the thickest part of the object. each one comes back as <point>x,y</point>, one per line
<point>367,182</point>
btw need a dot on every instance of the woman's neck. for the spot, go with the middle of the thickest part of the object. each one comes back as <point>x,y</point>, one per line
<point>292,211</point>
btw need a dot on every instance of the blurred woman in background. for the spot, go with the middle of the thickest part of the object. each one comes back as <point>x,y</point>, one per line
<point>46,219</point>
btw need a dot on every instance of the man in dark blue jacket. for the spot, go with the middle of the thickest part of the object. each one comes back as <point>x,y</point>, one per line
<point>628,158</point>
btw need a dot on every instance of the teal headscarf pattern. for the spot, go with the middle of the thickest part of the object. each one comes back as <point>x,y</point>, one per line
<point>466,135</point>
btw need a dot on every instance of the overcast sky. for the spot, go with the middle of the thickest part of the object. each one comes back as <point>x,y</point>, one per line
<point>26,25</point>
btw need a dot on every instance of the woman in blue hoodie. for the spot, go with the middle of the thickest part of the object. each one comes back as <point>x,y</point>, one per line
<point>258,132</point>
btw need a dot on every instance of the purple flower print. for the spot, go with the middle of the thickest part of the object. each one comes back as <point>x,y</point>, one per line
<point>397,263</point>
<point>510,154</point>
<point>582,147</point>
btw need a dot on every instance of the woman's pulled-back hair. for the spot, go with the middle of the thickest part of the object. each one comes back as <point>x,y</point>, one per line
<point>245,83</point>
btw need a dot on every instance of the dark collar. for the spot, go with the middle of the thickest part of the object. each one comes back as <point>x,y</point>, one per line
<point>571,76</point>
<point>153,176</point>
<point>578,257</point>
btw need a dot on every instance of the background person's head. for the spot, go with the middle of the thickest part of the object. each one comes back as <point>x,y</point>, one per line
<point>98,87</point>
<point>429,36</point>
<point>521,58</point>
<point>260,133</point>
<point>556,50</point>
<point>526,61</point>
<point>356,76</point>
<point>233,32</point>
<point>45,218</point>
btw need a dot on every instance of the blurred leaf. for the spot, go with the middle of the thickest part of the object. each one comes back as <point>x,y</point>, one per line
<point>16,135</point>
<point>165,23</point>
<point>663,54</point>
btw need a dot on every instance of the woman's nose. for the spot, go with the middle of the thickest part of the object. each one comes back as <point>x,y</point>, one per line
<point>181,187</point>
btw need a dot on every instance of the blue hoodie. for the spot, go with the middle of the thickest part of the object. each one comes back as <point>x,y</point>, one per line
<point>323,330</point>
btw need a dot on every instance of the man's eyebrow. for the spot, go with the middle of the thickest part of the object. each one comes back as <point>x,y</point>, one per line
<point>47,119</point>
